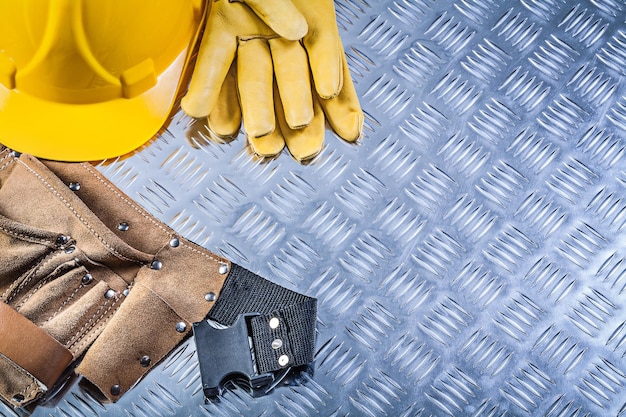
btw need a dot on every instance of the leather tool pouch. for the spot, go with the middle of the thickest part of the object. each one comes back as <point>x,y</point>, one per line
<point>68,269</point>
<point>55,294</point>
<point>85,273</point>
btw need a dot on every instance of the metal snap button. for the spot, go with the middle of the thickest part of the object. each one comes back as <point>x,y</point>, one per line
<point>181,327</point>
<point>87,279</point>
<point>283,360</point>
<point>145,361</point>
<point>62,239</point>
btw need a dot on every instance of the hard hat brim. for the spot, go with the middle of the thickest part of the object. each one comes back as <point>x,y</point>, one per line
<point>87,132</point>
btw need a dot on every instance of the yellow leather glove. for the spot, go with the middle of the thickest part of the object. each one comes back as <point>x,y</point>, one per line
<point>262,56</point>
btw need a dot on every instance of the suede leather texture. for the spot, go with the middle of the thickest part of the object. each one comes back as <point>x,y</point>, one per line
<point>17,332</point>
<point>66,266</point>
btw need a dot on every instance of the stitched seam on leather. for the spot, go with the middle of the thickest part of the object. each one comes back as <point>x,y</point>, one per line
<point>27,238</point>
<point>9,162</point>
<point>64,303</point>
<point>52,276</point>
<point>83,330</point>
<point>80,331</point>
<point>79,217</point>
<point>21,285</point>
<point>94,332</point>
<point>141,212</point>
<point>191,248</point>
<point>124,199</point>
<point>27,392</point>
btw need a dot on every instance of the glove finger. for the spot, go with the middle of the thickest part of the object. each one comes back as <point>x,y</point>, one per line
<point>268,145</point>
<point>216,53</point>
<point>308,141</point>
<point>225,118</point>
<point>273,143</point>
<point>324,48</point>
<point>291,69</point>
<point>344,112</point>
<point>255,79</point>
<point>282,16</point>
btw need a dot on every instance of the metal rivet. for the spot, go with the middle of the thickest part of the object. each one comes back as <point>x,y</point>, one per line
<point>18,398</point>
<point>174,242</point>
<point>283,360</point>
<point>123,226</point>
<point>274,323</point>
<point>87,279</point>
<point>223,269</point>
<point>181,327</point>
<point>145,361</point>
<point>277,344</point>
<point>70,249</point>
<point>110,294</point>
<point>126,292</point>
<point>116,390</point>
<point>62,239</point>
<point>156,264</point>
<point>74,186</point>
<point>210,296</point>
<point>16,154</point>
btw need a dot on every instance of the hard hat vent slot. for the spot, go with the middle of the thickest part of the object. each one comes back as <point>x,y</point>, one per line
<point>7,72</point>
<point>138,79</point>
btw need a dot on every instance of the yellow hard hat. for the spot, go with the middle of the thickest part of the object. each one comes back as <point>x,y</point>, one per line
<point>90,79</point>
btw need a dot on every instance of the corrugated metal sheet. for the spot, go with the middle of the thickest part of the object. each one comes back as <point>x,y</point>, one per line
<point>469,255</point>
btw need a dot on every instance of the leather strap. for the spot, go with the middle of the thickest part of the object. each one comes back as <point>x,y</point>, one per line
<point>30,347</point>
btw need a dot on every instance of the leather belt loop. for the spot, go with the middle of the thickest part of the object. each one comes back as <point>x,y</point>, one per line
<point>31,348</point>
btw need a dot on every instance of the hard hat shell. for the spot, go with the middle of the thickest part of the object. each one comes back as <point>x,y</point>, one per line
<point>90,79</point>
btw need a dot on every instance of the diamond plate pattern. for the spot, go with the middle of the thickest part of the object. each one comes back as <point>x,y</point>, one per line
<point>468,255</point>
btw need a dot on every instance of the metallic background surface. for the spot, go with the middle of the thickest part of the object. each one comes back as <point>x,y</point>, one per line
<point>469,256</point>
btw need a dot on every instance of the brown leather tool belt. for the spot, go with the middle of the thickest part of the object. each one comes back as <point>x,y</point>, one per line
<point>90,279</point>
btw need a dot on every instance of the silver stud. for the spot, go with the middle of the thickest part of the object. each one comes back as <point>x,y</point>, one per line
<point>126,292</point>
<point>62,239</point>
<point>116,390</point>
<point>18,398</point>
<point>87,279</point>
<point>274,323</point>
<point>277,344</point>
<point>283,360</point>
<point>123,226</point>
<point>74,186</point>
<point>110,294</point>
<point>70,249</point>
<point>156,265</point>
<point>223,269</point>
<point>16,154</point>
<point>174,242</point>
<point>181,327</point>
<point>145,361</point>
<point>210,296</point>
